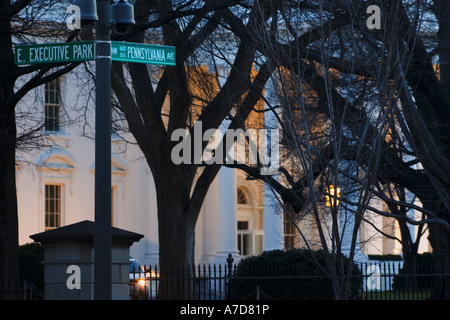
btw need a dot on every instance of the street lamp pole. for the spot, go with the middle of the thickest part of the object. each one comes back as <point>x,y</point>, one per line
<point>102,240</point>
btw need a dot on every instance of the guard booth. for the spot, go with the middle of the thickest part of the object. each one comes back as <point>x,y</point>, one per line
<point>69,256</point>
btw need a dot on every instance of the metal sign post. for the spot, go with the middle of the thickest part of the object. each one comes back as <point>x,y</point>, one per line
<point>102,231</point>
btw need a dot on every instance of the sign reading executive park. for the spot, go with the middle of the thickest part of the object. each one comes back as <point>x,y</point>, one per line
<point>55,52</point>
<point>85,51</point>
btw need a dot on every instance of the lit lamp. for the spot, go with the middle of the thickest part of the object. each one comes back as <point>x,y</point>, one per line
<point>332,195</point>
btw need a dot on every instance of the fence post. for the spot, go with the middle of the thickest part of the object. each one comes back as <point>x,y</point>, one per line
<point>230,261</point>
<point>26,290</point>
<point>74,245</point>
<point>444,289</point>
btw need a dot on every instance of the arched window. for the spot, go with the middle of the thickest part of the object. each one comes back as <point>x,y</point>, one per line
<point>241,197</point>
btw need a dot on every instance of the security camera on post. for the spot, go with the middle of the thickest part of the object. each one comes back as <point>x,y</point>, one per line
<point>122,17</point>
<point>86,10</point>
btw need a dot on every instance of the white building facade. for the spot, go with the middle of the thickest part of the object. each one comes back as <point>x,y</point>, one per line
<point>55,184</point>
<point>55,187</point>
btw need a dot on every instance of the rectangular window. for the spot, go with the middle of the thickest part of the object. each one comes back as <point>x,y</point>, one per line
<point>53,205</point>
<point>250,242</point>
<point>242,225</point>
<point>113,204</point>
<point>289,233</point>
<point>244,239</point>
<point>259,243</point>
<point>245,244</point>
<point>52,106</point>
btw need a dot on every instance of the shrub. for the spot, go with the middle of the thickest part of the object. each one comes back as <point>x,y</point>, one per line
<point>385,257</point>
<point>285,275</point>
<point>31,268</point>
<point>424,265</point>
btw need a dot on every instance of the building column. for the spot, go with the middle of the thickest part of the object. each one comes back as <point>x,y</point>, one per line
<point>150,210</point>
<point>273,222</point>
<point>398,249</point>
<point>208,230</point>
<point>227,214</point>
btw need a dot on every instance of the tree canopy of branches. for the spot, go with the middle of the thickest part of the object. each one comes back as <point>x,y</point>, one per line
<point>367,106</point>
<point>355,95</point>
<point>20,22</point>
<point>192,91</point>
<point>356,82</point>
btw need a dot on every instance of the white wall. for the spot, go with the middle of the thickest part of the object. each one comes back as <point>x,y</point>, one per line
<point>134,198</point>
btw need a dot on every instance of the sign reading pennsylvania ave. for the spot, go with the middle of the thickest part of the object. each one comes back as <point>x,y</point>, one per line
<point>142,53</point>
<point>55,52</point>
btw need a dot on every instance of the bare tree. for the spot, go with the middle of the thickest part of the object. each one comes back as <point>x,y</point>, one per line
<point>205,86</point>
<point>369,86</point>
<point>22,22</point>
<point>321,151</point>
<point>417,67</point>
<point>404,60</point>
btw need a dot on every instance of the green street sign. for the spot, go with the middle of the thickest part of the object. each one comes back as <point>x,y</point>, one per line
<point>55,52</point>
<point>142,53</point>
<point>85,51</point>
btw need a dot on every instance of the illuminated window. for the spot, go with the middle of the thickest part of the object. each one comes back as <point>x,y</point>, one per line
<point>289,233</point>
<point>241,197</point>
<point>332,196</point>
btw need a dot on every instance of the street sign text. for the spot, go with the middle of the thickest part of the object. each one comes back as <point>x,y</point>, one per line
<point>84,51</point>
<point>142,53</point>
<point>55,52</point>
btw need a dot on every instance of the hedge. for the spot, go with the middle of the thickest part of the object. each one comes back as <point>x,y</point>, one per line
<point>285,275</point>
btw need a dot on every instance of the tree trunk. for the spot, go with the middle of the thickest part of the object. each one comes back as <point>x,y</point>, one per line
<point>9,261</point>
<point>440,241</point>
<point>9,246</point>
<point>9,265</point>
<point>176,240</point>
<point>410,265</point>
<point>439,237</point>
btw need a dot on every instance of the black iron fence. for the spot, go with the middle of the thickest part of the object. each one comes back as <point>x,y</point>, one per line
<point>387,280</point>
<point>392,281</point>
<point>21,290</point>
<point>370,281</point>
